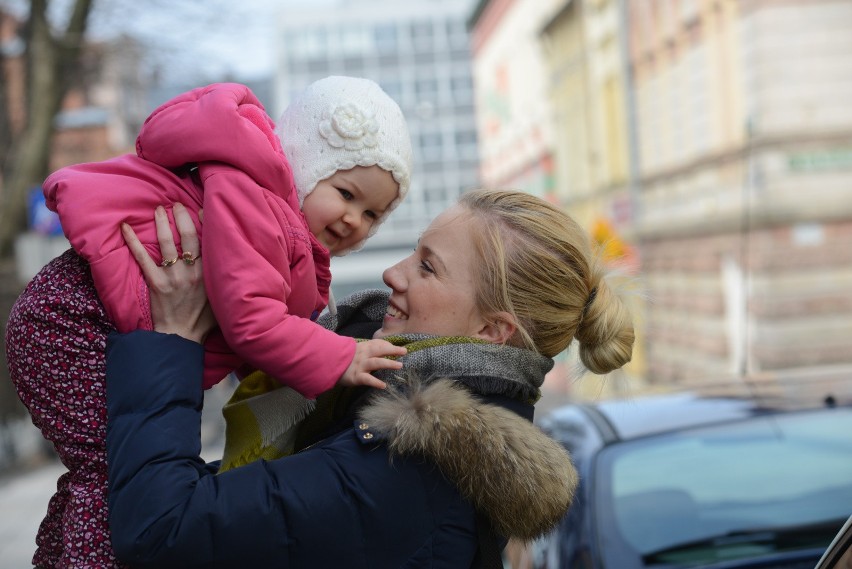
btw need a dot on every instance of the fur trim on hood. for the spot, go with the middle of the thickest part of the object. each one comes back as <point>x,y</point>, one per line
<point>503,464</point>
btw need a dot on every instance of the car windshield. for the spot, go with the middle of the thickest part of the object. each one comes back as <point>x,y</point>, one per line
<point>765,485</point>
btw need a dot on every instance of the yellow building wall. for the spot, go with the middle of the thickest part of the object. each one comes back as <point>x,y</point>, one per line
<point>583,58</point>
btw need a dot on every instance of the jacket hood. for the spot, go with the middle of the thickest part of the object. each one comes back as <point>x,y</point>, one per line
<point>222,122</point>
<point>520,478</point>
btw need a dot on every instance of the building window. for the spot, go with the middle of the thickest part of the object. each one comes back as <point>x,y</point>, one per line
<point>426,88</point>
<point>319,65</point>
<point>421,33</point>
<point>462,89</point>
<point>424,57</point>
<point>466,144</point>
<point>456,34</point>
<point>354,66</point>
<point>355,41</point>
<point>385,38</point>
<point>393,89</point>
<point>389,59</point>
<point>430,145</point>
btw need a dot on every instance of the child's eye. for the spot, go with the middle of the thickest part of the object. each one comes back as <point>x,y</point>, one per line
<point>347,195</point>
<point>371,214</point>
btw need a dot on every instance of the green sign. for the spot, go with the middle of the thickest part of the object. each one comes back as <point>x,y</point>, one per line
<point>834,159</point>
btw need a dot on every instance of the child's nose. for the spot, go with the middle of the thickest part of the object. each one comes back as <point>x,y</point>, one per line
<point>352,219</point>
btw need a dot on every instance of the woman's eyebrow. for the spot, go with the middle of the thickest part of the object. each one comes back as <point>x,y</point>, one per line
<point>437,258</point>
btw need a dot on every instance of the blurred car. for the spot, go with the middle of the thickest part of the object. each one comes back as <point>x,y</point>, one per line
<point>839,553</point>
<point>681,480</point>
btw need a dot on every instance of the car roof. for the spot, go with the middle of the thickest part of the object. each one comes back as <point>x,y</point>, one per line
<point>656,414</point>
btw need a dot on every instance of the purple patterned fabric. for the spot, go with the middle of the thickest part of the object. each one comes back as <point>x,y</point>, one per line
<point>55,347</point>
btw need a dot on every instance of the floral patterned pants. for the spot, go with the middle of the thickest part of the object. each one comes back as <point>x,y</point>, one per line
<point>55,347</point>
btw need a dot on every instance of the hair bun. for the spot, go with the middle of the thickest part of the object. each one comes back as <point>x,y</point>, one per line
<point>606,331</point>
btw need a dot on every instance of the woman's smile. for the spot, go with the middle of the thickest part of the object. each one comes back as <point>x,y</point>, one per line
<point>394,312</point>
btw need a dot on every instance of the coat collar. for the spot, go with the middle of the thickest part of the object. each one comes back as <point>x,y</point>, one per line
<point>503,464</point>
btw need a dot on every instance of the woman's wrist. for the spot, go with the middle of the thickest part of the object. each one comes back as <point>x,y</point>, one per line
<point>191,334</point>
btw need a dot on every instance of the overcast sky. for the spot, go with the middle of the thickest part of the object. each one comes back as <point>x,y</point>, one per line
<point>236,37</point>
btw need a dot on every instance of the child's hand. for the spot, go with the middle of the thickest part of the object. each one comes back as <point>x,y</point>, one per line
<point>370,356</point>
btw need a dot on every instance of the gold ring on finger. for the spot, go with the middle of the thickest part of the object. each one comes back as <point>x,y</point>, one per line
<point>169,262</point>
<point>188,258</point>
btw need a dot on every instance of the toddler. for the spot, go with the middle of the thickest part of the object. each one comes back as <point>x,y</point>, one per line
<point>277,202</point>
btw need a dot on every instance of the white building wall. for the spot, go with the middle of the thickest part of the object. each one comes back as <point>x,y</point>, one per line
<point>799,66</point>
<point>514,119</point>
<point>419,52</point>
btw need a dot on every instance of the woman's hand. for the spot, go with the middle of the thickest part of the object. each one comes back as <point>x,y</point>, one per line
<point>178,301</point>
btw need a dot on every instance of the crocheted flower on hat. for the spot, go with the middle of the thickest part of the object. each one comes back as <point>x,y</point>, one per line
<point>349,127</point>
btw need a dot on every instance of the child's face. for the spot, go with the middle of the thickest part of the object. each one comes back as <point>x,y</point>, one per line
<point>342,209</point>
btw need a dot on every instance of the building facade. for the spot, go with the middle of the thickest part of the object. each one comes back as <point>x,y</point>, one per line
<point>514,118</point>
<point>712,141</point>
<point>745,145</point>
<point>419,53</point>
<point>583,44</point>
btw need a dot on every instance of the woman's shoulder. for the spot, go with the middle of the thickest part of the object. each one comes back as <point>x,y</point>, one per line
<point>499,461</point>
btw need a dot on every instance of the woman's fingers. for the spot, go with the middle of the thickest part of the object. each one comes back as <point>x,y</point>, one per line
<point>188,235</point>
<point>178,300</point>
<point>160,274</point>
<point>146,263</point>
<point>165,237</point>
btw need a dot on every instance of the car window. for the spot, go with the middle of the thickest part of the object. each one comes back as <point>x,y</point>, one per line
<point>763,485</point>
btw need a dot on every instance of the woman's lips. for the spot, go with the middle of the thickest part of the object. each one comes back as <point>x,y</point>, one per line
<point>395,312</point>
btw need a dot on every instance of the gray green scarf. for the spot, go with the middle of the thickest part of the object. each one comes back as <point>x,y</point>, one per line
<point>263,417</point>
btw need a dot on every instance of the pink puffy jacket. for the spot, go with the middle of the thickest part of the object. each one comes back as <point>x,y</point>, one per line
<point>265,274</point>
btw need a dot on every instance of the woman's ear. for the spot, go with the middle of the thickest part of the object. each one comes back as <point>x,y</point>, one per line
<point>499,329</point>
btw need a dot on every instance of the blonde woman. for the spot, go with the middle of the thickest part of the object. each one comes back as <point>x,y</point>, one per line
<point>436,471</point>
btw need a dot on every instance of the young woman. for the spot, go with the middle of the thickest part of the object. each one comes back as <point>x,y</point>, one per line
<point>438,470</point>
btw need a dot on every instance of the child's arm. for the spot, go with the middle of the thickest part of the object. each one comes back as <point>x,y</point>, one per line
<point>371,355</point>
<point>254,246</point>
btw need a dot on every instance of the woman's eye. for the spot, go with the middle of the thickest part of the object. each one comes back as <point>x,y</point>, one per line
<point>424,266</point>
<point>347,195</point>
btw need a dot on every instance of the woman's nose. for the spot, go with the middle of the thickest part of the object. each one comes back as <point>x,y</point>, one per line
<point>392,277</point>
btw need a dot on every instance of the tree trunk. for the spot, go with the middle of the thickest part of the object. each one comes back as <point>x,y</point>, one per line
<point>50,64</point>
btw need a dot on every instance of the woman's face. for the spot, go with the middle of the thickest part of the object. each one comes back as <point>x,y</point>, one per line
<point>433,289</point>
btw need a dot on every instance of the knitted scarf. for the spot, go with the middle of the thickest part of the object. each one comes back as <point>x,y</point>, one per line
<point>266,420</point>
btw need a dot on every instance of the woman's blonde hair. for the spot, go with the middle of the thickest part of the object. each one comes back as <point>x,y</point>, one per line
<point>538,265</point>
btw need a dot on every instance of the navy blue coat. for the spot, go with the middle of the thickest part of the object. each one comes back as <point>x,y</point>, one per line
<point>337,504</point>
<point>343,502</point>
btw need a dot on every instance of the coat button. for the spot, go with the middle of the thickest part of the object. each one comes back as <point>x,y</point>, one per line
<point>368,436</point>
<point>363,426</point>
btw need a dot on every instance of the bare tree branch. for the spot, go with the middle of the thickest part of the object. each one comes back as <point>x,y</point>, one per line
<point>176,37</point>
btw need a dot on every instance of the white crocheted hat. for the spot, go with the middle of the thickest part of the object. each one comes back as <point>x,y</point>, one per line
<point>338,123</point>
